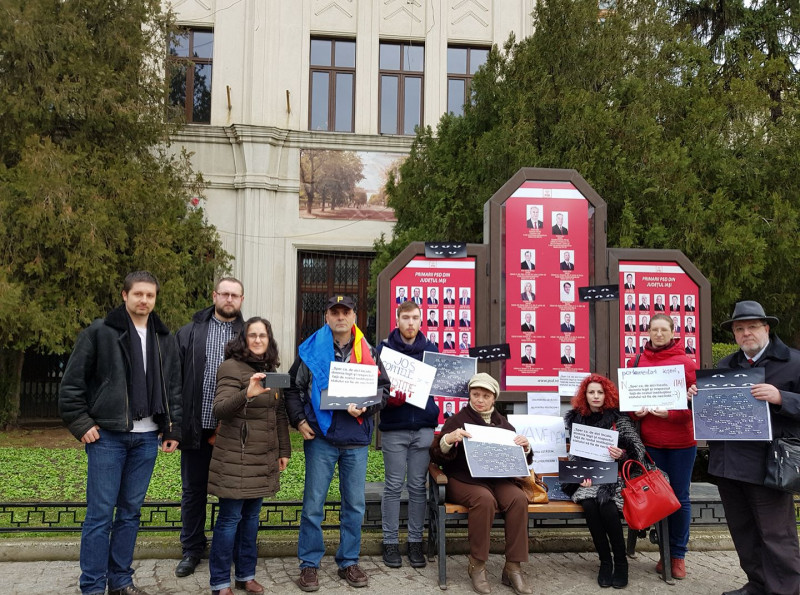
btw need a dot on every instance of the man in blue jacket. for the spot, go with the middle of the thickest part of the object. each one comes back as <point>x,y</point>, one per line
<point>120,393</point>
<point>332,438</point>
<point>407,433</point>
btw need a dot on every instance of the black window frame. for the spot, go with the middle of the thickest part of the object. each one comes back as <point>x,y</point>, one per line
<point>332,71</point>
<point>189,62</point>
<point>466,76</point>
<point>402,74</point>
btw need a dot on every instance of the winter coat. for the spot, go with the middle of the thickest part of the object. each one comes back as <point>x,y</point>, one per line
<point>192,351</point>
<point>745,460</point>
<point>405,416</point>
<point>676,430</point>
<point>454,462</point>
<point>628,441</point>
<point>252,436</point>
<point>94,389</point>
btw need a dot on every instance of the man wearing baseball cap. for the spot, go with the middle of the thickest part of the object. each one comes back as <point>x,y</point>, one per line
<point>761,520</point>
<point>332,438</point>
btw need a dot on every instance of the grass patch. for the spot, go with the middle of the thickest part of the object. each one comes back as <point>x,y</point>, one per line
<point>59,475</point>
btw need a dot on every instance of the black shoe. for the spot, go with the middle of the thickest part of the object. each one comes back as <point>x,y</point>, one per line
<point>620,578</point>
<point>742,591</point>
<point>129,590</point>
<point>415,555</point>
<point>391,555</point>
<point>604,576</point>
<point>186,566</point>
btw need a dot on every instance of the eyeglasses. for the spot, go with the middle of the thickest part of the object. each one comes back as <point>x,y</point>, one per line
<point>750,328</point>
<point>230,296</point>
<point>254,336</point>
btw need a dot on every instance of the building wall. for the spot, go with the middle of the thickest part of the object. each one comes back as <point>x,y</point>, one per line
<point>250,153</point>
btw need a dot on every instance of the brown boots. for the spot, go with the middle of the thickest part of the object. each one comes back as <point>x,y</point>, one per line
<point>477,572</point>
<point>512,577</point>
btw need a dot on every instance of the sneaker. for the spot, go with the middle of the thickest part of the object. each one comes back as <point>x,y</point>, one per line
<point>391,555</point>
<point>354,576</point>
<point>415,555</point>
<point>678,568</point>
<point>308,580</point>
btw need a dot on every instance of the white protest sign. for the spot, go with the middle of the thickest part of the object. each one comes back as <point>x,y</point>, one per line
<point>592,443</point>
<point>544,404</point>
<point>490,434</point>
<point>660,387</point>
<point>547,437</point>
<point>408,376</point>
<point>355,381</point>
<point>568,382</point>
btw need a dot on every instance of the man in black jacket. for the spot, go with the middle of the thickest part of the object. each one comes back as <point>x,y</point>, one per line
<point>120,393</point>
<point>201,345</point>
<point>761,520</point>
<point>407,433</point>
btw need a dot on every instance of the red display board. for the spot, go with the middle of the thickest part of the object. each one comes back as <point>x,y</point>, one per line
<point>648,288</point>
<point>546,259</point>
<point>445,292</point>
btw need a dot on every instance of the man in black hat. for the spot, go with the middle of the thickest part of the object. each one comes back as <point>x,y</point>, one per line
<point>332,438</point>
<point>761,520</point>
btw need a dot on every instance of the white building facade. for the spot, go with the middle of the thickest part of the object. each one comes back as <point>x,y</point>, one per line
<point>271,80</point>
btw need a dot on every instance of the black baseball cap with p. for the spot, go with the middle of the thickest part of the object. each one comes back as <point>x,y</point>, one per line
<point>340,300</point>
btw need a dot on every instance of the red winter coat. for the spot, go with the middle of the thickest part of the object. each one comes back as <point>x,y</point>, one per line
<point>676,430</point>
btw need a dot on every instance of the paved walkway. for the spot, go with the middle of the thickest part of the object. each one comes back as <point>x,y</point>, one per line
<point>709,573</point>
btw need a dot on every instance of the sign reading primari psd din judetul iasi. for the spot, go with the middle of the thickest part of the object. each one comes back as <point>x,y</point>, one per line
<point>546,258</point>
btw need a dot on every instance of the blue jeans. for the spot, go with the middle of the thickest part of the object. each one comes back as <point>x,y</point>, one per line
<point>120,466</point>
<point>405,455</point>
<point>235,516</point>
<point>321,460</point>
<point>678,463</point>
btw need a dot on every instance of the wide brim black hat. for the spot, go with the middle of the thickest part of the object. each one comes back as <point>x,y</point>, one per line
<point>748,310</point>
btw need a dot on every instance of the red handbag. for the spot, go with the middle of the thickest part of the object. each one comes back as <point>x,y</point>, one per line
<point>647,498</point>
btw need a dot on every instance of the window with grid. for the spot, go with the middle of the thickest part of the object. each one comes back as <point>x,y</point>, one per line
<point>462,64</point>
<point>333,84</point>
<point>323,274</point>
<point>401,87</point>
<point>189,63</point>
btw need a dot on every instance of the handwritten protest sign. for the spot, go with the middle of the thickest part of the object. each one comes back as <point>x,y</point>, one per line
<point>659,387</point>
<point>452,373</point>
<point>408,376</point>
<point>724,409</point>
<point>350,383</point>
<point>547,437</point>
<point>592,443</point>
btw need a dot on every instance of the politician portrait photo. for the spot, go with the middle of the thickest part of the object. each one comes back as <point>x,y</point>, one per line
<point>567,291</point>
<point>528,290</point>
<point>630,282</point>
<point>567,263</point>
<point>560,224</point>
<point>568,353</point>
<point>528,260</point>
<point>534,217</point>
<point>528,322</point>
<point>400,296</point>
<point>528,353</point>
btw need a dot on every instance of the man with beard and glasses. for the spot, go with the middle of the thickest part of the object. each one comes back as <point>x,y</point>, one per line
<point>201,345</point>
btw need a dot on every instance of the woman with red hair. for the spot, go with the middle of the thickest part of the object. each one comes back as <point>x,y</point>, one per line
<point>596,404</point>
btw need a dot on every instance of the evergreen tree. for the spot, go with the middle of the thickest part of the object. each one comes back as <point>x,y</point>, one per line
<point>89,190</point>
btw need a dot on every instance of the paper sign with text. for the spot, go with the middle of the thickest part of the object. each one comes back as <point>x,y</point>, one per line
<point>547,437</point>
<point>544,404</point>
<point>568,382</point>
<point>351,383</point>
<point>659,387</point>
<point>408,376</point>
<point>592,443</point>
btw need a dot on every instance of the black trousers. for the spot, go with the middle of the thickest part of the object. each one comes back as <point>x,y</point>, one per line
<point>194,497</point>
<point>606,529</point>
<point>764,530</point>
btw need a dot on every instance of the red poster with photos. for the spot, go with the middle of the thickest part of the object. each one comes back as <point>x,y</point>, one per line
<point>444,289</point>
<point>649,288</point>
<point>546,259</point>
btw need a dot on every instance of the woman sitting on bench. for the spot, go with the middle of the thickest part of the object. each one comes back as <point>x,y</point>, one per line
<point>484,497</point>
<point>596,404</point>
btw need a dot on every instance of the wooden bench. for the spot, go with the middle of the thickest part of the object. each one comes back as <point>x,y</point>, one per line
<point>440,512</point>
